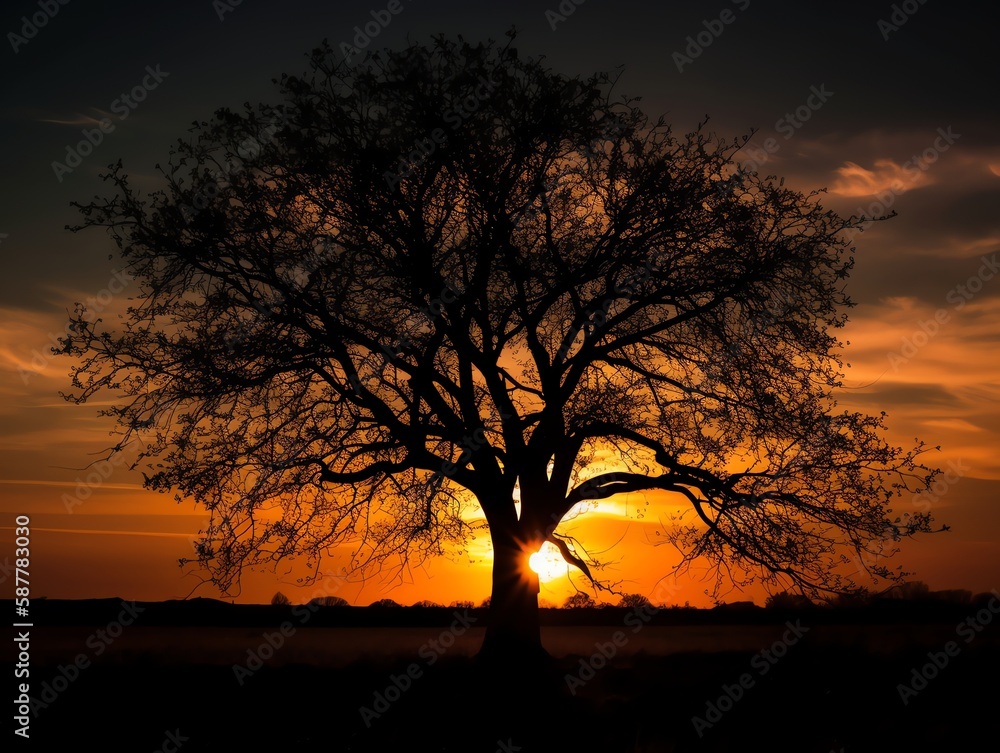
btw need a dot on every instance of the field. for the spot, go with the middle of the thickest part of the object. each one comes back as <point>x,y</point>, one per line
<point>314,681</point>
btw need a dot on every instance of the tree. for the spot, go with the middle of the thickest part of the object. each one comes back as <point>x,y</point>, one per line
<point>634,601</point>
<point>856,599</point>
<point>420,285</point>
<point>329,601</point>
<point>787,600</point>
<point>280,600</point>
<point>580,600</point>
<point>952,596</point>
<point>385,603</point>
<point>911,590</point>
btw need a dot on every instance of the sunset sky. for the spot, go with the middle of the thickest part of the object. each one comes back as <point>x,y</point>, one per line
<point>899,115</point>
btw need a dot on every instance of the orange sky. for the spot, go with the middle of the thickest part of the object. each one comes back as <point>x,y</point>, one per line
<point>923,339</point>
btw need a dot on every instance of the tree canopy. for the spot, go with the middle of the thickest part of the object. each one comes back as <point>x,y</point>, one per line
<point>418,284</point>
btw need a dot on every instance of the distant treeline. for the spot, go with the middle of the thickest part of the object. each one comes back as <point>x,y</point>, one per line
<point>923,607</point>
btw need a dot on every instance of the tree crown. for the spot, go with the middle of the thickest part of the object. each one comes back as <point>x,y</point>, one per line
<point>456,274</point>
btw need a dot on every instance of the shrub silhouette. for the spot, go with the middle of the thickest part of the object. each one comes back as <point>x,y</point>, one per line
<point>280,600</point>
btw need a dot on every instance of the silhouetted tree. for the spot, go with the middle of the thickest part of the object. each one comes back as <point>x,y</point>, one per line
<point>580,600</point>
<point>382,603</point>
<point>632,601</point>
<point>910,590</point>
<point>427,603</point>
<point>952,596</point>
<point>852,600</point>
<point>329,601</point>
<point>415,286</point>
<point>736,606</point>
<point>986,599</point>
<point>787,600</point>
<point>280,600</point>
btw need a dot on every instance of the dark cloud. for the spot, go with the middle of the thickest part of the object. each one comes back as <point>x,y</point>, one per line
<point>902,394</point>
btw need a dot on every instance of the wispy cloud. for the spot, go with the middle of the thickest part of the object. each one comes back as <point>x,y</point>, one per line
<point>79,119</point>
<point>887,175</point>
<point>37,482</point>
<point>164,534</point>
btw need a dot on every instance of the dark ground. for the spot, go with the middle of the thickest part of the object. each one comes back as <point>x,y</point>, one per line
<point>820,696</point>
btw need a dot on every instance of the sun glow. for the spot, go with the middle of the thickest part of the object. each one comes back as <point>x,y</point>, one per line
<point>548,563</point>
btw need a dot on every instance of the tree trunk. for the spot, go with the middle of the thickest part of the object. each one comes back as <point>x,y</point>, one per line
<point>513,634</point>
<point>524,682</point>
<point>524,687</point>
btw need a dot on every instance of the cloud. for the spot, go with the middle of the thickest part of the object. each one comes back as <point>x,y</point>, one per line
<point>967,248</point>
<point>899,394</point>
<point>956,424</point>
<point>80,119</point>
<point>109,532</point>
<point>940,387</point>
<point>72,484</point>
<point>888,175</point>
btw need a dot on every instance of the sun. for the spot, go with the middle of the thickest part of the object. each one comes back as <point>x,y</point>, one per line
<point>548,563</point>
